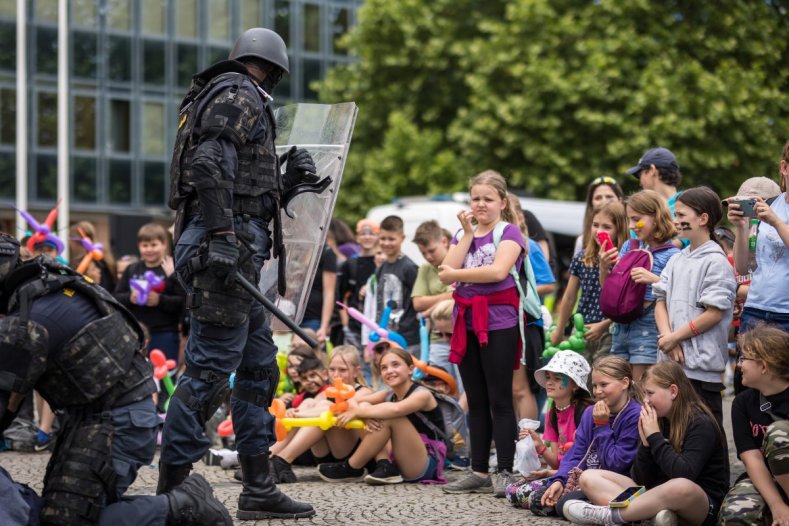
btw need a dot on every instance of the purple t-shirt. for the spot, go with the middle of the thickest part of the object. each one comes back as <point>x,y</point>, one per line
<point>482,252</point>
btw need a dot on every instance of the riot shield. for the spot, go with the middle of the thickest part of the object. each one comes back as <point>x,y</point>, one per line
<point>325,131</point>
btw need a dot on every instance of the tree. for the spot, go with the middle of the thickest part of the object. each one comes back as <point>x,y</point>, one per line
<point>553,93</point>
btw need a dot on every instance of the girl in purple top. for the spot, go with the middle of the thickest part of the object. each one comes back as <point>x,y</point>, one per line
<point>479,269</point>
<point>606,439</point>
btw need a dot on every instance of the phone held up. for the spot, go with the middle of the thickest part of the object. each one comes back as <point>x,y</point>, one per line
<point>605,240</point>
<point>748,206</point>
<point>626,497</point>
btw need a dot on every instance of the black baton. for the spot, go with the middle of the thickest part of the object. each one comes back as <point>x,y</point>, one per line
<point>253,290</point>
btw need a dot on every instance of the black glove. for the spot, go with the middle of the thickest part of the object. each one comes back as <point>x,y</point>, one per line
<point>223,252</point>
<point>300,167</point>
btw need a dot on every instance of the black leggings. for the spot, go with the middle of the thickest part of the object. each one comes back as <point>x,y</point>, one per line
<point>487,379</point>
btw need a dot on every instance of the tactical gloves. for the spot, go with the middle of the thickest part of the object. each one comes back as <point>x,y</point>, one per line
<point>300,167</point>
<point>223,252</point>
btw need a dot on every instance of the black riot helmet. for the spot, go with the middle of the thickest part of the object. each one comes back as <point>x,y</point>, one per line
<point>262,43</point>
<point>9,255</point>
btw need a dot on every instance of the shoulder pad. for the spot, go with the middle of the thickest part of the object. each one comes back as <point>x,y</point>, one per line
<point>23,354</point>
<point>232,111</point>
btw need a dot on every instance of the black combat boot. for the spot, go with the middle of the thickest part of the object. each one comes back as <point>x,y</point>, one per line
<point>193,504</point>
<point>171,476</point>
<point>260,498</point>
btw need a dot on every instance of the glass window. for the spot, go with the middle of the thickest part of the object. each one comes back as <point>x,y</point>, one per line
<point>339,23</point>
<point>152,128</point>
<point>312,27</point>
<point>120,181</point>
<point>311,72</point>
<point>219,20</point>
<point>186,61</point>
<point>153,57</point>
<point>7,116</point>
<point>186,18</point>
<point>84,123</point>
<point>83,179</point>
<point>120,121</point>
<point>46,50</point>
<point>47,119</point>
<point>7,46</point>
<point>85,54</point>
<point>154,177</point>
<point>7,175</point>
<point>120,59</point>
<point>83,13</point>
<point>46,177</point>
<point>8,8</point>
<point>46,10</point>
<point>215,54</point>
<point>153,17</point>
<point>282,19</point>
<point>283,88</point>
<point>251,14</point>
<point>119,15</point>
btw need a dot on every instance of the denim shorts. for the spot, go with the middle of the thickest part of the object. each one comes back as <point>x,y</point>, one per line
<point>636,341</point>
<point>430,470</point>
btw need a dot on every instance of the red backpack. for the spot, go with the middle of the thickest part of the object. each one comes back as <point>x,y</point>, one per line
<point>621,298</point>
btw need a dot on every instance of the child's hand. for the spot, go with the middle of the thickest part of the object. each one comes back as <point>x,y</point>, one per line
<point>168,266</point>
<point>153,299</point>
<point>541,474</point>
<point>346,416</point>
<point>556,335</point>
<point>465,217</point>
<point>373,425</point>
<point>735,215</point>
<point>134,296</point>
<point>538,443</point>
<point>648,420</point>
<point>600,412</point>
<point>596,331</point>
<point>552,494</point>
<point>667,342</point>
<point>766,214</point>
<point>677,355</point>
<point>642,275</point>
<point>287,398</point>
<point>609,256</point>
<point>641,434</point>
<point>446,274</point>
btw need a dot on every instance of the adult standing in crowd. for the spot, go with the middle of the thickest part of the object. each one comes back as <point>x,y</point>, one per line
<point>226,184</point>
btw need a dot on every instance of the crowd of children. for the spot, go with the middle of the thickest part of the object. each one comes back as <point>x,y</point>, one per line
<point>659,283</point>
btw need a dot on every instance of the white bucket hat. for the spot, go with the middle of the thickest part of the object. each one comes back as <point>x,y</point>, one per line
<point>568,363</point>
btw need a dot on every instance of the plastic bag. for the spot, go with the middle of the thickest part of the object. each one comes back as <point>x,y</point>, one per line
<point>526,457</point>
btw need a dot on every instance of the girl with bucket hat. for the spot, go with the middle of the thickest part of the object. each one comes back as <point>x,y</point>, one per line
<point>564,379</point>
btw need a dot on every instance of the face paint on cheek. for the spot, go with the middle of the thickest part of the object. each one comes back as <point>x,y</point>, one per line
<point>640,223</point>
<point>565,382</point>
<point>685,226</point>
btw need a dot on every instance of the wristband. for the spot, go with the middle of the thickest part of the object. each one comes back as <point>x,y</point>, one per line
<point>541,451</point>
<point>599,423</point>
<point>693,328</point>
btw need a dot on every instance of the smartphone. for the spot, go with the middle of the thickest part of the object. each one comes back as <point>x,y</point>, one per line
<point>748,206</point>
<point>623,499</point>
<point>605,240</point>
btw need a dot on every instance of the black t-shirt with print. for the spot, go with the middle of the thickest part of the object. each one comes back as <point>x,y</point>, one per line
<point>749,423</point>
<point>395,281</point>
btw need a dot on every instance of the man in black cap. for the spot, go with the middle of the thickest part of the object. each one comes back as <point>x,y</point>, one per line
<point>658,170</point>
<point>226,186</point>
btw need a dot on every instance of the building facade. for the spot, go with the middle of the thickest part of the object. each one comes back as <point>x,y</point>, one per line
<point>131,62</point>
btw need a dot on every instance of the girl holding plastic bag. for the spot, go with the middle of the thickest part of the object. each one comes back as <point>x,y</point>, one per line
<point>564,379</point>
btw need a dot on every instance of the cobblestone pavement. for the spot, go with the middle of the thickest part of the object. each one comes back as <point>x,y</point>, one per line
<point>344,503</point>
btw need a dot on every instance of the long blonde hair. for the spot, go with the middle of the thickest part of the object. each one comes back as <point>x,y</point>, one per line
<point>350,357</point>
<point>616,213</point>
<point>619,369</point>
<point>686,406</point>
<point>495,180</point>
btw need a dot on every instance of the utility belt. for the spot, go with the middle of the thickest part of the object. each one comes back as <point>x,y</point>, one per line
<point>252,206</point>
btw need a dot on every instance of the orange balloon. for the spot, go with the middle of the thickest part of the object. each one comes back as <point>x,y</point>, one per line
<point>225,428</point>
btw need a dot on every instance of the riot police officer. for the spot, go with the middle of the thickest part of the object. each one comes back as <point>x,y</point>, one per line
<point>226,185</point>
<point>71,341</point>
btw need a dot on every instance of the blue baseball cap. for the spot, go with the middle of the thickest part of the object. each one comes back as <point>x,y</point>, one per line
<point>660,157</point>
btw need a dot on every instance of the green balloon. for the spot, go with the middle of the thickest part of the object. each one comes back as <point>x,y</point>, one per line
<point>564,346</point>
<point>578,321</point>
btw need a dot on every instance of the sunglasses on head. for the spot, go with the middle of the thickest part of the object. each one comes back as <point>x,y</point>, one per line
<point>442,334</point>
<point>603,180</point>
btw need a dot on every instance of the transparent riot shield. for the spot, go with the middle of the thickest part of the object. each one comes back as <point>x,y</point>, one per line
<point>325,131</point>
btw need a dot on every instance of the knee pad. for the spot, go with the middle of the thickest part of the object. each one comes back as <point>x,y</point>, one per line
<point>205,406</point>
<point>268,377</point>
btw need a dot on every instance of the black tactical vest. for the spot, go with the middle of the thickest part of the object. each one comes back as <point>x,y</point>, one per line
<point>102,365</point>
<point>225,97</point>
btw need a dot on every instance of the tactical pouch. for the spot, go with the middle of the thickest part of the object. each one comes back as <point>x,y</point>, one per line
<point>96,359</point>
<point>80,479</point>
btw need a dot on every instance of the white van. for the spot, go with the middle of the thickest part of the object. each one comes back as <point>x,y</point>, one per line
<point>561,218</point>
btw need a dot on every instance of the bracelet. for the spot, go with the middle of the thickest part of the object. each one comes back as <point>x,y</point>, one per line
<point>541,451</point>
<point>598,423</point>
<point>693,328</point>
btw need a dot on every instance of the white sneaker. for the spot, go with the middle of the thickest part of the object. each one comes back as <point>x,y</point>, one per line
<point>581,512</point>
<point>666,518</point>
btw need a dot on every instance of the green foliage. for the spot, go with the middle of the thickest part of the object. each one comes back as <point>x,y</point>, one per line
<point>553,93</point>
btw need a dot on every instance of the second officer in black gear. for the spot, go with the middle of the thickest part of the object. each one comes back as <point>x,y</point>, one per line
<point>226,185</point>
<point>71,341</point>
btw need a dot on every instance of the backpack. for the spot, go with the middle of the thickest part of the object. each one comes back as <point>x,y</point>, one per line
<point>454,422</point>
<point>621,298</point>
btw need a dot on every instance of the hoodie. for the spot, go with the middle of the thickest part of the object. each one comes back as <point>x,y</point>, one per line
<point>612,446</point>
<point>691,282</point>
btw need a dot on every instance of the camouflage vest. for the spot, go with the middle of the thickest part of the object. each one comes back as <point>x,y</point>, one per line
<point>102,365</point>
<point>257,159</point>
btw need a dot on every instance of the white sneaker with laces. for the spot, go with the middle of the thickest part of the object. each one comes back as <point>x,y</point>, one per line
<point>581,512</point>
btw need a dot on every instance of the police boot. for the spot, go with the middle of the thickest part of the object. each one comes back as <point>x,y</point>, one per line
<point>260,498</point>
<point>171,476</point>
<point>193,503</point>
